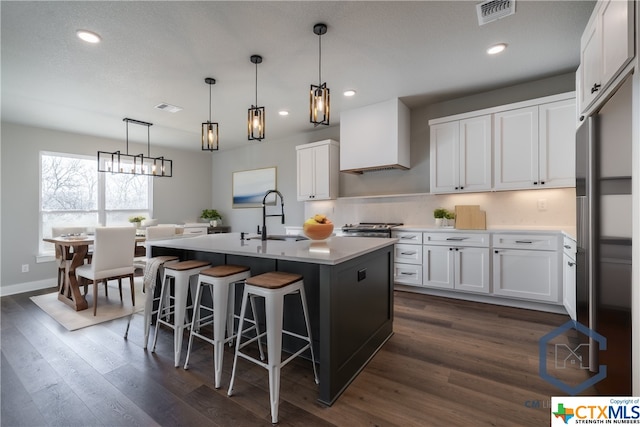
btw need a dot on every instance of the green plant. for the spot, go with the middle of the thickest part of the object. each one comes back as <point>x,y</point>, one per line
<point>210,214</point>
<point>138,218</point>
<point>440,213</point>
<point>450,215</point>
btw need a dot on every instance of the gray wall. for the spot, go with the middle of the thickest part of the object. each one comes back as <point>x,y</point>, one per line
<point>175,199</point>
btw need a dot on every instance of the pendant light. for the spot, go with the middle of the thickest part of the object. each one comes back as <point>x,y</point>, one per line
<point>117,162</point>
<point>210,129</point>
<point>256,119</point>
<point>319,95</point>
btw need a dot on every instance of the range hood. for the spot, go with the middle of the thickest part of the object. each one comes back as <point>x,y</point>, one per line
<point>375,137</point>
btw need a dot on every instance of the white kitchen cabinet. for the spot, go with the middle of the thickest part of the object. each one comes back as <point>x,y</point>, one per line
<point>460,155</point>
<point>606,47</point>
<point>569,277</point>
<point>535,146</point>
<point>457,261</point>
<point>318,170</point>
<point>408,258</point>
<point>526,266</point>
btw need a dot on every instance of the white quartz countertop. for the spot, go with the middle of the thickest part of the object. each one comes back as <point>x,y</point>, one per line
<point>333,250</point>
<point>520,229</point>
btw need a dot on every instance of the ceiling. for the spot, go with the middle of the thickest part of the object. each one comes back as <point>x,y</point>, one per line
<point>155,51</point>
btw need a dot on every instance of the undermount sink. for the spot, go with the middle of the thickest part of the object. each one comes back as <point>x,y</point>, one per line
<point>281,237</point>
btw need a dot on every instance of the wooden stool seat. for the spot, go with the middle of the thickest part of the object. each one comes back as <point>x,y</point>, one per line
<point>187,265</point>
<point>224,270</point>
<point>274,279</point>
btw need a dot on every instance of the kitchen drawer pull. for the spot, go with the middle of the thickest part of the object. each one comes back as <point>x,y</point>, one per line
<point>456,239</point>
<point>571,264</point>
<point>405,273</point>
<point>524,241</point>
<point>412,237</point>
<point>567,246</point>
<point>408,253</point>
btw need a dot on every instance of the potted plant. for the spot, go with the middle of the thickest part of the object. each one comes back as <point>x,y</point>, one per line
<point>450,217</point>
<point>440,215</point>
<point>136,220</point>
<point>212,216</point>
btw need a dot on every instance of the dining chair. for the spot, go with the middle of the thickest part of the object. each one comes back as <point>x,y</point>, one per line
<point>63,231</point>
<point>113,249</point>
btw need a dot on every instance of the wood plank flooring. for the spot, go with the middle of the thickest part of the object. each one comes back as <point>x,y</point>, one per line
<point>449,363</point>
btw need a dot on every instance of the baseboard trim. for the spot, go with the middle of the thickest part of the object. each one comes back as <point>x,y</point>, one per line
<point>27,287</point>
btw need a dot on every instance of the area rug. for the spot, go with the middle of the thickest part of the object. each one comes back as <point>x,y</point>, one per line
<point>108,309</point>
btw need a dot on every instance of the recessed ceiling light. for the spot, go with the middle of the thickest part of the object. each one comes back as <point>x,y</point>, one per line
<point>349,92</point>
<point>88,36</point>
<point>496,48</point>
<point>283,112</point>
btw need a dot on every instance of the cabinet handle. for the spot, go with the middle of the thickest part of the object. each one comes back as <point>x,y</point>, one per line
<point>450,249</point>
<point>462,188</point>
<point>408,253</point>
<point>535,183</point>
<point>495,251</point>
<point>524,241</point>
<point>541,182</point>
<point>595,87</point>
<point>456,239</point>
<point>456,188</point>
<point>457,249</point>
<point>408,237</point>
<point>407,274</point>
<point>567,246</point>
<point>571,264</point>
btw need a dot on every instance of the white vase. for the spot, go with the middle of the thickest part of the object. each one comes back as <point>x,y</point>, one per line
<point>439,222</point>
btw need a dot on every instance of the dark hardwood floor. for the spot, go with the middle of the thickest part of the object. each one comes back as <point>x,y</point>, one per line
<point>449,363</point>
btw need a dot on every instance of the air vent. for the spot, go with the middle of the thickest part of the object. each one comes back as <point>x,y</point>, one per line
<point>168,107</point>
<point>493,10</point>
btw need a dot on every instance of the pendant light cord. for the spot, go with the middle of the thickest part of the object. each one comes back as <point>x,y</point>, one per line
<point>256,85</point>
<point>319,59</point>
<point>209,102</point>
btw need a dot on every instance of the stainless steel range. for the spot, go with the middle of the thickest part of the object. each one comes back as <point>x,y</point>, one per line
<point>369,229</point>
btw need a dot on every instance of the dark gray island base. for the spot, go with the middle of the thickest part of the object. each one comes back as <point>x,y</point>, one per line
<point>349,287</point>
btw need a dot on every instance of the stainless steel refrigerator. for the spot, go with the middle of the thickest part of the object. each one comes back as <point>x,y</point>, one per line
<point>604,227</point>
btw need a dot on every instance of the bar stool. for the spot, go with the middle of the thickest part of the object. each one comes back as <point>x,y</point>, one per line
<point>221,281</point>
<point>181,273</point>
<point>273,287</point>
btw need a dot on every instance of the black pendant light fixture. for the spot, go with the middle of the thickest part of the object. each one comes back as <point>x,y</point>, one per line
<point>319,95</point>
<point>140,164</point>
<point>210,129</point>
<point>256,119</point>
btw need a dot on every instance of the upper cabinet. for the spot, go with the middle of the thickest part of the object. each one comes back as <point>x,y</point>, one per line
<point>318,170</point>
<point>606,47</point>
<point>535,146</point>
<point>526,145</point>
<point>461,155</point>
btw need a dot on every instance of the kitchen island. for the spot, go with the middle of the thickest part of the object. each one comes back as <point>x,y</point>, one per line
<point>349,286</point>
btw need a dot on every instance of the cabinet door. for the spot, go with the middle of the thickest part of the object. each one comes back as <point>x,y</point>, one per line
<point>407,274</point>
<point>590,64</point>
<point>616,24</point>
<point>516,149</point>
<point>475,154</point>
<point>408,254</point>
<point>471,270</point>
<point>305,173</point>
<point>557,141</point>
<point>569,285</point>
<point>531,275</point>
<point>437,267</point>
<point>321,171</point>
<point>444,145</point>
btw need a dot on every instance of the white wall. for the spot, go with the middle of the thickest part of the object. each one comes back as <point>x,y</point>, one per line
<point>176,199</point>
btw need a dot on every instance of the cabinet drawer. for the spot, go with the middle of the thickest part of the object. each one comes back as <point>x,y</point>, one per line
<point>414,238</point>
<point>456,239</point>
<point>526,241</point>
<point>407,253</point>
<point>408,274</point>
<point>570,247</point>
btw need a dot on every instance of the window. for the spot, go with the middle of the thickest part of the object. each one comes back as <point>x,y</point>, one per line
<point>73,193</point>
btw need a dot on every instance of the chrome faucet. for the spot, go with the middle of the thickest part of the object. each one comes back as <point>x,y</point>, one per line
<point>264,211</point>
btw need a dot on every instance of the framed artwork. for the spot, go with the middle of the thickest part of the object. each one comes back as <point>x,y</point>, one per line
<point>249,187</point>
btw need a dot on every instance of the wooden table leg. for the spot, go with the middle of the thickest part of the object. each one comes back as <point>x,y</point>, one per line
<point>69,292</point>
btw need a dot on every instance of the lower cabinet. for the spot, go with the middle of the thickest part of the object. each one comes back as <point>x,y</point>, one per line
<point>527,274</point>
<point>461,268</point>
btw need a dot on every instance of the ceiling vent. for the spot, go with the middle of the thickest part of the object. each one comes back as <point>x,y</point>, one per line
<point>492,10</point>
<point>168,107</point>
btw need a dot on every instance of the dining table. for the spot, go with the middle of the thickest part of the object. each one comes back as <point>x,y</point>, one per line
<point>73,251</point>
